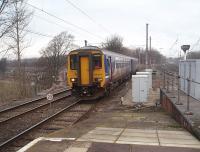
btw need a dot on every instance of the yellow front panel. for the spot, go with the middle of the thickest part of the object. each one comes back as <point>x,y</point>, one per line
<point>84,64</point>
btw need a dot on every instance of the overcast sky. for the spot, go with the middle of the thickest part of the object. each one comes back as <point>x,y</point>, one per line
<point>169,21</point>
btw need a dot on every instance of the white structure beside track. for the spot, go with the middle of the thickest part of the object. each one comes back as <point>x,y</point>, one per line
<point>140,88</point>
<point>190,69</point>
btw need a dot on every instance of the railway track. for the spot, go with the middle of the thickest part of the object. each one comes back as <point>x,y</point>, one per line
<point>13,111</point>
<point>19,110</point>
<point>40,120</point>
<point>18,118</point>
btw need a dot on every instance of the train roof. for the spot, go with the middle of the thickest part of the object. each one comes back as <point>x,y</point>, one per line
<point>103,51</point>
<point>107,52</point>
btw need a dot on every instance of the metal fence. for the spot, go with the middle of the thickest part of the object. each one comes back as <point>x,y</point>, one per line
<point>171,83</point>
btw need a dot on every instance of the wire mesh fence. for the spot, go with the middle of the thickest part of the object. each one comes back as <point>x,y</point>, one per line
<point>173,83</point>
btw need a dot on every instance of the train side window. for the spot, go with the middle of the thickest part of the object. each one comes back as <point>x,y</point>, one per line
<point>73,62</point>
<point>97,63</point>
<point>107,66</point>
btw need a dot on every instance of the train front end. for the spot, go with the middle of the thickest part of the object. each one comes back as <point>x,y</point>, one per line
<point>85,71</point>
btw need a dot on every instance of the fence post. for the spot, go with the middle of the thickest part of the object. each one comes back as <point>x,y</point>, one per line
<point>172,82</point>
<point>164,80</point>
<point>178,102</point>
<point>167,83</point>
<point>188,112</point>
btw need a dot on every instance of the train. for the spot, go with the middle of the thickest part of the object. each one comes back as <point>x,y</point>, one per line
<point>92,71</point>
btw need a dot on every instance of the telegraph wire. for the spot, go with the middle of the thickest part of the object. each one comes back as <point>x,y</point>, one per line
<point>51,22</point>
<point>45,35</point>
<point>29,31</point>
<point>65,21</point>
<point>195,44</point>
<point>173,44</point>
<point>40,34</point>
<point>89,17</point>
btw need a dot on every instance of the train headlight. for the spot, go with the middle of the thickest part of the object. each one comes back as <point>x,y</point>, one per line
<point>73,79</point>
<point>98,79</point>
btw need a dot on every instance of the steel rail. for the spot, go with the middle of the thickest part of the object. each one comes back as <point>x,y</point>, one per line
<point>31,101</point>
<point>37,107</point>
<point>38,124</point>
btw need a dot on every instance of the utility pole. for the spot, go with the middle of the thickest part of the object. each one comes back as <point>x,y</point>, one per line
<point>146,57</point>
<point>85,42</point>
<point>138,53</point>
<point>150,50</point>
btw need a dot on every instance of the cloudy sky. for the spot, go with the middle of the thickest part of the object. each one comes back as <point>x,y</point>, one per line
<point>171,22</point>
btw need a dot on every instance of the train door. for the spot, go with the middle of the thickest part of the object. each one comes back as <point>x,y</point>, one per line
<point>84,71</point>
<point>110,68</point>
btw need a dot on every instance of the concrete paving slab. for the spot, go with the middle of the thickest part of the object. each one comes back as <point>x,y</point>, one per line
<point>180,145</point>
<point>81,144</point>
<point>138,139</point>
<point>173,132</point>
<point>145,148</point>
<point>109,129</point>
<point>76,149</point>
<point>139,134</point>
<point>178,141</point>
<point>140,130</point>
<point>176,136</point>
<point>109,147</point>
<point>96,140</point>
<point>105,147</point>
<point>107,132</point>
<point>136,143</point>
<point>98,136</point>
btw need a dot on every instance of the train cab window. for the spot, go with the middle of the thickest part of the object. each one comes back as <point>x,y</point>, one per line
<point>73,62</point>
<point>97,63</point>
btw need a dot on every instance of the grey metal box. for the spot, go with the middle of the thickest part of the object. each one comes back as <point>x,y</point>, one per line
<point>190,69</point>
<point>139,88</point>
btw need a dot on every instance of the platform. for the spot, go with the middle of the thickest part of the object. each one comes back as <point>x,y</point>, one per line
<point>113,126</point>
<point>189,121</point>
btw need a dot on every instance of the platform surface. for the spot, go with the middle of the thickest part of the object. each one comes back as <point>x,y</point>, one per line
<point>115,127</point>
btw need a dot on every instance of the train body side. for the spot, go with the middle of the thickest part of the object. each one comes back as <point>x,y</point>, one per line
<point>91,70</point>
<point>121,66</point>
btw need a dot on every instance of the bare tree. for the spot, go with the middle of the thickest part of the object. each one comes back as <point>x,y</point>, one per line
<point>193,55</point>
<point>2,4</point>
<point>7,18</point>
<point>3,65</point>
<point>17,35</point>
<point>114,43</point>
<point>54,54</point>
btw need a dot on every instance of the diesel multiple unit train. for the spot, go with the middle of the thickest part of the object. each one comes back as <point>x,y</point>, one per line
<point>93,71</point>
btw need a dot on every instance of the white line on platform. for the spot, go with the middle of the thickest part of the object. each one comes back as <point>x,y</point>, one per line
<point>29,145</point>
<point>32,143</point>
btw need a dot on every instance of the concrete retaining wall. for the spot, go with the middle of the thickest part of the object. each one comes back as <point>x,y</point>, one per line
<point>171,107</point>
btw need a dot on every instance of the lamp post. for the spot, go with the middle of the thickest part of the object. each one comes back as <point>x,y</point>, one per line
<point>185,48</point>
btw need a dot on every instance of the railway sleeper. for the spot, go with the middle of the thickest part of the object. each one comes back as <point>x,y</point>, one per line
<point>72,114</point>
<point>63,119</point>
<point>54,127</point>
<point>79,111</point>
<point>63,122</point>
